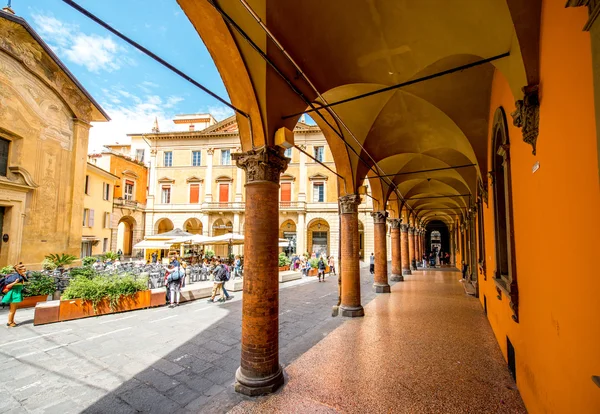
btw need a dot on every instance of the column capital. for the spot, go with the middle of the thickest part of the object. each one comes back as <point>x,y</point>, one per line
<point>349,203</point>
<point>379,217</point>
<point>210,151</point>
<point>404,228</point>
<point>411,230</point>
<point>395,222</point>
<point>263,164</point>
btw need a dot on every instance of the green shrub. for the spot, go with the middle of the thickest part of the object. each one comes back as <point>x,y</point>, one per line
<point>83,271</point>
<point>88,261</point>
<point>110,256</point>
<point>314,262</point>
<point>61,260</point>
<point>283,260</point>
<point>39,284</point>
<point>7,270</point>
<point>48,265</point>
<point>209,254</point>
<point>99,288</point>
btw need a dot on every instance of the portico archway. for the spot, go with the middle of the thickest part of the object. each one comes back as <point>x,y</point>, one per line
<point>164,225</point>
<point>193,225</point>
<point>125,230</point>
<point>318,240</point>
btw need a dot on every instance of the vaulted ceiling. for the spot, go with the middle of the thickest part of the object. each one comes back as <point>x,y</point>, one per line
<point>343,49</point>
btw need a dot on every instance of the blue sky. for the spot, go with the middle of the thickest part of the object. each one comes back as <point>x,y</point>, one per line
<point>130,86</point>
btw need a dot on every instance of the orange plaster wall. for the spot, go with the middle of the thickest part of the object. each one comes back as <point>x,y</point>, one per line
<point>556,223</point>
<point>118,165</point>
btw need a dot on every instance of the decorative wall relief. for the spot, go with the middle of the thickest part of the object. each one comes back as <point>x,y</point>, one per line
<point>527,115</point>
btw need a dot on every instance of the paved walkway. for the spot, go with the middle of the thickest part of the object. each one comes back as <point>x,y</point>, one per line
<point>180,360</point>
<point>425,348</point>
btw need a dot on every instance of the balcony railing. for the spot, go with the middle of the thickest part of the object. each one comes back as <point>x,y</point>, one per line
<point>121,202</point>
<point>292,205</point>
<point>218,206</point>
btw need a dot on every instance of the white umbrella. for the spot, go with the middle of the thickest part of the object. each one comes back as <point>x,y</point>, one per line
<point>228,238</point>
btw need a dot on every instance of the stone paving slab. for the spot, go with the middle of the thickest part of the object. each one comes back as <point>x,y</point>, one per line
<point>154,360</point>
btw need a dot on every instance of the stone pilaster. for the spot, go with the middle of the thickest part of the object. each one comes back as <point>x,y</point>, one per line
<point>396,255</point>
<point>380,279</point>
<point>404,250</point>
<point>260,371</point>
<point>350,269</point>
<point>208,182</point>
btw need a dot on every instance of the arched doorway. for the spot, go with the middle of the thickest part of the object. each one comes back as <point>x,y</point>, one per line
<point>287,230</point>
<point>125,230</point>
<point>193,226</point>
<point>318,238</point>
<point>437,237</point>
<point>164,225</point>
<point>219,228</point>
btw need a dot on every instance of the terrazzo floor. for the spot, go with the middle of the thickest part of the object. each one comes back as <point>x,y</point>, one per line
<point>425,348</point>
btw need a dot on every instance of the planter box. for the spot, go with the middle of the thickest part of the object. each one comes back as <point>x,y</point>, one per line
<point>284,268</point>
<point>31,301</point>
<point>315,272</point>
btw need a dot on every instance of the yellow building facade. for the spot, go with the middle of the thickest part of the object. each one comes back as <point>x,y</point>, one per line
<point>45,117</point>
<point>98,191</point>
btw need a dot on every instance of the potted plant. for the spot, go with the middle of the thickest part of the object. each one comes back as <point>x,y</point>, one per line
<point>37,289</point>
<point>89,260</point>
<point>284,262</point>
<point>60,261</point>
<point>314,265</point>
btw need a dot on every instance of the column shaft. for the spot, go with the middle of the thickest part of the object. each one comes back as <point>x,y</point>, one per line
<point>260,372</point>
<point>350,271</point>
<point>396,257</point>
<point>404,250</point>
<point>411,247</point>
<point>380,279</point>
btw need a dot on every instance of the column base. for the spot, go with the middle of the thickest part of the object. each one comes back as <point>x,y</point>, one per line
<point>379,288</point>
<point>406,272</point>
<point>396,278</point>
<point>258,386</point>
<point>352,311</point>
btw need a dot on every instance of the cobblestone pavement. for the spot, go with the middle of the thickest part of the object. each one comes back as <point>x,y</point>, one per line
<point>156,360</point>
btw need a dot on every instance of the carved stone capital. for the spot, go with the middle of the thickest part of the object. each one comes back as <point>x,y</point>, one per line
<point>395,222</point>
<point>404,228</point>
<point>349,203</point>
<point>379,217</point>
<point>210,151</point>
<point>263,164</point>
<point>527,115</point>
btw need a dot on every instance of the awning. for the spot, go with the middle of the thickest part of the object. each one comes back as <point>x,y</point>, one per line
<point>89,238</point>
<point>153,244</point>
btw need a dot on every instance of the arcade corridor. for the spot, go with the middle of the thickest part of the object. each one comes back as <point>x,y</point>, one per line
<point>427,347</point>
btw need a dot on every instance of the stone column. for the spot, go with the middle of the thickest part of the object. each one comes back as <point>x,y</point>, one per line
<point>301,234</point>
<point>259,372</point>
<point>380,279</point>
<point>404,250</point>
<point>396,260</point>
<point>208,182</point>
<point>350,269</point>
<point>420,246</point>
<point>411,247</point>
<point>452,247</point>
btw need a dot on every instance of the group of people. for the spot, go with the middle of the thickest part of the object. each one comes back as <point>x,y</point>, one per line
<point>436,258</point>
<point>176,274</point>
<point>303,264</point>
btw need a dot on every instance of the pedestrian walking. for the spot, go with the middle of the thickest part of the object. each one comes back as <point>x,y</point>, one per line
<point>424,258</point>
<point>154,257</point>
<point>465,268</point>
<point>13,292</point>
<point>332,265</point>
<point>321,269</point>
<point>219,279</point>
<point>227,277</point>
<point>174,280</point>
<point>237,267</point>
<point>372,264</point>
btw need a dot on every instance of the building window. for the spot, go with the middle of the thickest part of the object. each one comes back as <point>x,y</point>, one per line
<point>166,194</point>
<point>288,152</point>
<point>139,155</point>
<point>319,153</point>
<point>4,146</point>
<point>129,190</point>
<point>286,192</point>
<point>105,245</point>
<point>107,220</point>
<point>168,158</point>
<point>88,217</point>
<point>194,193</point>
<point>196,158</point>
<point>223,193</point>
<point>226,157</point>
<point>86,188</point>
<point>505,272</point>
<point>318,192</point>
<point>106,191</point>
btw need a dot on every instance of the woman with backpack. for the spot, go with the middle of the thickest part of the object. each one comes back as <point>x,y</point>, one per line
<point>13,292</point>
<point>174,281</point>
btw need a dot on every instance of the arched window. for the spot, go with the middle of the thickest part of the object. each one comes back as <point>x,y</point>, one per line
<point>505,272</point>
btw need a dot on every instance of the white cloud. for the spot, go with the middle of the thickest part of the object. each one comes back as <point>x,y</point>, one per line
<point>220,112</point>
<point>92,51</point>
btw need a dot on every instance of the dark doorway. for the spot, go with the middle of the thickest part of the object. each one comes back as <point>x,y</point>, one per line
<point>512,364</point>
<point>437,225</point>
